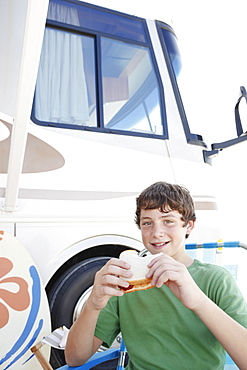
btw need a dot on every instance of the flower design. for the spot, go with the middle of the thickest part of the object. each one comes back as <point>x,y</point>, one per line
<point>18,301</point>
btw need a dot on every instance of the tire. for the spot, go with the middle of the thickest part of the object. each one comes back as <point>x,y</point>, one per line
<point>64,297</point>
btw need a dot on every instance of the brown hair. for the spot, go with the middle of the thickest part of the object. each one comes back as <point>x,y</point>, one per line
<point>166,197</point>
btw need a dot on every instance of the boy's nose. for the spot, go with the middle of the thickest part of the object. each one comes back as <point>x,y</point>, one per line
<point>158,230</point>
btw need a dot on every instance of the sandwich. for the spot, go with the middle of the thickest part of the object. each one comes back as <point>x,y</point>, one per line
<point>139,269</point>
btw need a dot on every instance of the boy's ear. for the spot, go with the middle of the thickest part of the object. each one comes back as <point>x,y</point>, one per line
<point>190,226</point>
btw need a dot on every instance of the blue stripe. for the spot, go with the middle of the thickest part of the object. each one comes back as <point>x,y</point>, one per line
<point>36,291</point>
<point>27,347</point>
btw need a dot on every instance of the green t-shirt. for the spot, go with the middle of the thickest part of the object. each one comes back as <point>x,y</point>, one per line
<point>160,333</point>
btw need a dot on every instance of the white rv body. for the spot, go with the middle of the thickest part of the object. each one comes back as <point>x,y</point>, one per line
<point>102,173</point>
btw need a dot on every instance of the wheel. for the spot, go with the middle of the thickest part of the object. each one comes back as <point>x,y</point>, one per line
<point>67,297</point>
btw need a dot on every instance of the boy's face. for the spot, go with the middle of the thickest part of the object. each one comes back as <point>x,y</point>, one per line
<point>164,232</point>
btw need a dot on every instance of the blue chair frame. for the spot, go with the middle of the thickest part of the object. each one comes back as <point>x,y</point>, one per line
<point>231,244</point>
<point>120,354</point>
<point>99,357</point>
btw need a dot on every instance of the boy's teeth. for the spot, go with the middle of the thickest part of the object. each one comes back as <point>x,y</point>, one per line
<point>159,244</point>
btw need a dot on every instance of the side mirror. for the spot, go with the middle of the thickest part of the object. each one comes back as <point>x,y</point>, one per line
<point>238,122</point>
<point>241,135</point>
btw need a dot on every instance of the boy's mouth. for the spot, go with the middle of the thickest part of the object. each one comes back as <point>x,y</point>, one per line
<point>160,245</point>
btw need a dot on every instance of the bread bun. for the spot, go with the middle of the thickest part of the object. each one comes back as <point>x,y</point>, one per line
<point>139,270</point>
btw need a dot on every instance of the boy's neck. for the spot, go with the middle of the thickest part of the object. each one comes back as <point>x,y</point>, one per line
<point>188,261</point>
<point>184,258</point>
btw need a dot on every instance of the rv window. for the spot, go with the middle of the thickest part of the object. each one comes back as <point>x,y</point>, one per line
<point>65,88</point>
<point>90,80</point>
<point>130,88</point>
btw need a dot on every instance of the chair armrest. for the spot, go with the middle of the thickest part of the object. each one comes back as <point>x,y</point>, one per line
<point>230,365</point>
<point>96,359</point>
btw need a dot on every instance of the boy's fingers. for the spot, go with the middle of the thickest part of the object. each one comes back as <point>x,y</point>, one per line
<point>115,267</point>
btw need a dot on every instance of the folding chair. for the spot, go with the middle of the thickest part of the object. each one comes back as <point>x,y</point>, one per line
<point>95,360</point>
<point>98,358</point>
<point>57,339</point>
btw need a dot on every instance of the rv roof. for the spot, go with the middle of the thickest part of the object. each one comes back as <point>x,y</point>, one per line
<point>150,10</point>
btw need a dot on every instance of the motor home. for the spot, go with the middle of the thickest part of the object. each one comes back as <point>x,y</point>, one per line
<point>90,114</point>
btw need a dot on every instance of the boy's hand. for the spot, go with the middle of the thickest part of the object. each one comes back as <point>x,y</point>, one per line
<point>107,282</point>
<point>175,275</point>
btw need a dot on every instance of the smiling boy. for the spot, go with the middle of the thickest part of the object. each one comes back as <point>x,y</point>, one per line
<point>194,312</point>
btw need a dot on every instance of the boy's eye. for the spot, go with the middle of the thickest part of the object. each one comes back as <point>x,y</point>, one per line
<point>168,222</point>
<point>147,223</point>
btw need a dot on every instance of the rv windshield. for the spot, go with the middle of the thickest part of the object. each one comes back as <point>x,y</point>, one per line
<point>174,64</point>
<point>171,47</point>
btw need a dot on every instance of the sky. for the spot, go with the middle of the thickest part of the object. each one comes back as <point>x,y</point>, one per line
<point>211,37</point>
<point>213,44</point>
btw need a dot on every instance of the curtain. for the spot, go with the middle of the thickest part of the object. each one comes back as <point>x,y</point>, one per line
<point>61,91</point>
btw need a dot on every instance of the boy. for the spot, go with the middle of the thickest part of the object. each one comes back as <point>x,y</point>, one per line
<point>193,312</point>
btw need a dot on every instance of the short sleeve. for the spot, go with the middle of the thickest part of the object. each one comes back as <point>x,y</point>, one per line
<point>229,297</point>
<point>108,327</point>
